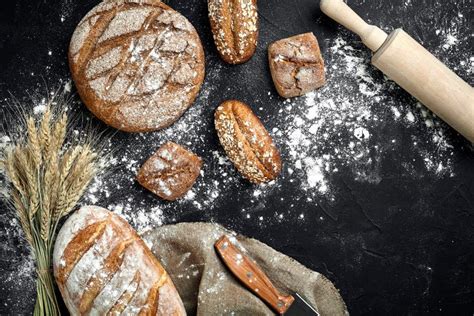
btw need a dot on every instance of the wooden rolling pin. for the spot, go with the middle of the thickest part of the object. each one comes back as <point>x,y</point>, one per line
<point>415,69</point>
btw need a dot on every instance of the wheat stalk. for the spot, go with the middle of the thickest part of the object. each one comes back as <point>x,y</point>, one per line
<point>29,171</point>
<point>22,210</point>
<point>45,130</point>
<point>33,141</point>
<point>13,174</point>
<point>47,179</point>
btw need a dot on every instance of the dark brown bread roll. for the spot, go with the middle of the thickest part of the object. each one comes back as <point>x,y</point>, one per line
<point>296,65</point>
<point>234,25</point>
<point>102,267</point>
<point>246,142</point>
<point>137,64</point>
<point>170,172</point>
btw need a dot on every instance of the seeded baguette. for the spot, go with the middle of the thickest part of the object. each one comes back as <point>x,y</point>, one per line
<point>234,25</point>
<point>102,267</point>
<point>246,141</point>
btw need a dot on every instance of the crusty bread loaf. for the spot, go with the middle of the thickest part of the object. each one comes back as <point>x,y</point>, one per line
<point>246,142</point>
<point>137,64</point>
<point>296,65</point>
<point>234,25</point>
<point>170,172</point>
<point>102,267</point>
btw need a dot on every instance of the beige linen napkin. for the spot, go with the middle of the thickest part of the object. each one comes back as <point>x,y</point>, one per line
<point>186,250</point>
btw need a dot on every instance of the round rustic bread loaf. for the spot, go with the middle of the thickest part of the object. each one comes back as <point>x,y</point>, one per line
<point>137,64</point>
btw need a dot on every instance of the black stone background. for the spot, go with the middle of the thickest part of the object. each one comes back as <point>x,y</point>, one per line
<point>403,246</point>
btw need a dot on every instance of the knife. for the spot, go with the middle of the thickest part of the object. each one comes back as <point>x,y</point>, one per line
<point>249,273</point>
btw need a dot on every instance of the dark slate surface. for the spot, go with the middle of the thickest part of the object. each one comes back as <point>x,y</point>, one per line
<point>402,246</point>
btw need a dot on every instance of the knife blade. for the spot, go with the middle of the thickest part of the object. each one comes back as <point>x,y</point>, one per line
<point>300,307</point>
<point>250,274</point>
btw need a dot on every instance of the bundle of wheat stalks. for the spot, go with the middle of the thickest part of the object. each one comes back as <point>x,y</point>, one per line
<point>47,177</point>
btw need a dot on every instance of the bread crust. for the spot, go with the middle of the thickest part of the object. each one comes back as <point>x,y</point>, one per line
<point>137,64</point>
<point>170,172</point>
<point>113,271</point>
<point>234,25</point>
<point>246,141</point>
<point>296,65</point>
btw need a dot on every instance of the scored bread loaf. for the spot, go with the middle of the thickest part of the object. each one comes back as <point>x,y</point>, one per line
<point>138,65</point>
<point>102,267</point>
<point>246,142</point>
<point>234,25</point>
<point>170,172</point>
<point>296,65</point>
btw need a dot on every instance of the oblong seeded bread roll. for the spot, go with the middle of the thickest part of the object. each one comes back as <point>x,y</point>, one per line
<point>102,267</point>
<point>234,25</point>
<point>137,64</point>
<point>246,141</point>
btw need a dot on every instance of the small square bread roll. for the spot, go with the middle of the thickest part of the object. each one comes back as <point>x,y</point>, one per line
<point>296,65</point>
<point>170,172</point>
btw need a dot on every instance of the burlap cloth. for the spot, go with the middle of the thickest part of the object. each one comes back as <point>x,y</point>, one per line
<point>206,287</point>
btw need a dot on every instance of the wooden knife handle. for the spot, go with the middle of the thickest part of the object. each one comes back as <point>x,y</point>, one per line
<point>247,271</point>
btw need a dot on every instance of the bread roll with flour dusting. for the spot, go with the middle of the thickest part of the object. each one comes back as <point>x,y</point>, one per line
<point>296,65</point>
<point>234,25</point>
<point>246,141</point>
<point>102,267</point>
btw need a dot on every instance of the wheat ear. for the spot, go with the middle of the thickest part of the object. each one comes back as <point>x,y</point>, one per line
<point>13,175</point>
<point>31,177</point>
<point>33,141</point>
<point>45,132</point>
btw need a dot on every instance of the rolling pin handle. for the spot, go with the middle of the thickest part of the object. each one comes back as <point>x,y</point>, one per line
<point>415,69</point>
<point>372,36</point>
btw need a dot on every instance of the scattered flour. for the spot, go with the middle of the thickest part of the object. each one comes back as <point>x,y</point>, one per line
<point>40,108</point>
<point>319,134</point>
<point>18,278</point>
<point>450,41</point>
